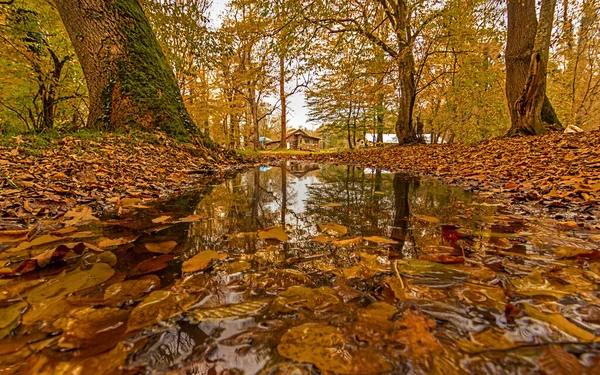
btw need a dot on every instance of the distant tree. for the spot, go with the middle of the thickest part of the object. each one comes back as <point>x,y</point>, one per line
<point>39,73</point>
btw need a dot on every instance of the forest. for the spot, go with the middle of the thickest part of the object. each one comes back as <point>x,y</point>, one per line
<point>306,187</point>
<point>460,63</point>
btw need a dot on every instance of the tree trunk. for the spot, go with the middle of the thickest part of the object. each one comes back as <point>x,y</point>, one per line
<point>527,50</point>
<point>406,75</point>
<point>380,109</point>
<point>283,167</point>
<point>129,79</point>
<point>282,100</point>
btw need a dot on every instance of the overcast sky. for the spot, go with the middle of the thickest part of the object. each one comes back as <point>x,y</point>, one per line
<point>297,112</point>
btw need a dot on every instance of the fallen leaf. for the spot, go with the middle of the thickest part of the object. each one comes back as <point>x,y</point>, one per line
<point>554,360</point>
<point>112,242</point>
<point>273,233</point>
<point>429,219</point>
<point>561,323</point>
<point>348,242</point>
<point>333,229</point>
<point>161,219</point>
<point>161,247</point>
<point>301,297</point>
<point>79,215</point>
<point>201,261</point>
<point>129,290</point>
<point>157,307</point>
<point>381,240</point>
<point>8,236</point>
<point>229,311</point>
<point>153,264</point>
<point>329,349</point>
<point>190,219</point>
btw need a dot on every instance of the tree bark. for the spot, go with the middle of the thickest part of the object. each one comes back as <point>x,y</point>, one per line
<point>283,101</point>
<point>527,51</point>
<point>406,67</point>
<point>129,79</point>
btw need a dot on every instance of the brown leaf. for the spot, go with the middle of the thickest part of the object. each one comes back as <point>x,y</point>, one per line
<point>554,360</point>
<point>153,264</point>
<point>161,247</point>
<point>79,215</point>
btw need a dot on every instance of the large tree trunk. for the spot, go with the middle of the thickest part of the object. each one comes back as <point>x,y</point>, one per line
<point>129,80</point>
<point>527,50</point>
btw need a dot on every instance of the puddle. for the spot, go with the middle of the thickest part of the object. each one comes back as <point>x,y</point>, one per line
<point>301,269</point>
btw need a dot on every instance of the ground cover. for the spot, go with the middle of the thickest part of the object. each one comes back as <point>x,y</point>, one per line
<point>557,173</point>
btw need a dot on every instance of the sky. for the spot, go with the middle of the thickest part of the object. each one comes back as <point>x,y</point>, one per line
<point>297,113</point>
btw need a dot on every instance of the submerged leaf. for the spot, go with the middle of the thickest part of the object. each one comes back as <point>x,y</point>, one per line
<point>330,349</point>
<point>153,264</point>
<point>157,307</point>
<point>10,317</point>
<point>534,285</point>
<point>129,290</point>
<point>229,311</point>
<point>415,333</point>
<point>70,282</point>
<point>300,297</point>
<point>201,261</point>
<point>161,247</point>
<point>90,324</point>
<point>556,361</point>
<point>561,323</point>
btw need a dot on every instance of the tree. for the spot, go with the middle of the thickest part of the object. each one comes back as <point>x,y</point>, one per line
<point>129,79</point>
<point>527,53</point>
<point>39,72</point>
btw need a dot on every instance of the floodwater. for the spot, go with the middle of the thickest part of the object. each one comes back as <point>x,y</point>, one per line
<point>302,269</point>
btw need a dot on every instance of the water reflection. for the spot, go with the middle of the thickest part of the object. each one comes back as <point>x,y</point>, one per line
<point>305,269</point>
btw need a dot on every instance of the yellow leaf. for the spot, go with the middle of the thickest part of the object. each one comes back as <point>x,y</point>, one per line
<point>161,219</point>
<point>157,307</point>
<point>381,240</point>
<point>348,242</point>
<point>429,219</point>
<point>111,242</point>
<point>201,261</point>
<point>561,323</point>
<point>273,233</point>
<point>333,229</point>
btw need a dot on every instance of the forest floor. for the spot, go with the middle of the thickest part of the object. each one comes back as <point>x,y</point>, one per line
<point>46,176</point>
<point>555,173</point>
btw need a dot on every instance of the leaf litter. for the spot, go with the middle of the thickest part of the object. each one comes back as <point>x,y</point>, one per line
<point>369,289</point>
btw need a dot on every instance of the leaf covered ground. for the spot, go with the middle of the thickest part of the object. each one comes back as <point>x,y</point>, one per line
<point>45,178</point>
<point>557,172</point>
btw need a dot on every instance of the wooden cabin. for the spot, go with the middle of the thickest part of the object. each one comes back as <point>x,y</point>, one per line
<point>296,139</point>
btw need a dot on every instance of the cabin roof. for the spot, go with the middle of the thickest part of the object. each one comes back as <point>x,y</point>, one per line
<point>292,132</point>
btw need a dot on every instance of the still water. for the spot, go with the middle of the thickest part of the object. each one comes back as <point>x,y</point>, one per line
<point>304,269</point>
